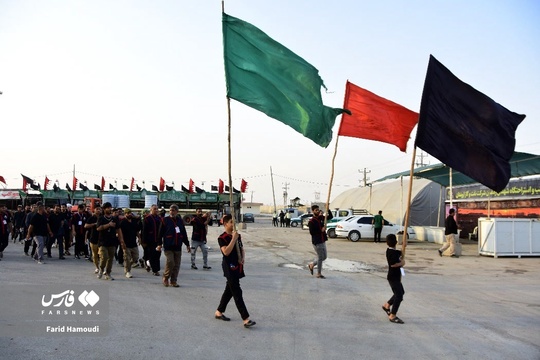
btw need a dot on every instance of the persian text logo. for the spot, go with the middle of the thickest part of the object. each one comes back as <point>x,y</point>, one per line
<point>67,299</point>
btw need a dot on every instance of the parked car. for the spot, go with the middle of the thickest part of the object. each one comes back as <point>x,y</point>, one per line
<point>298,220</point>
<point>358,227</point>
<point>248,217</point>
<point>331,225</point>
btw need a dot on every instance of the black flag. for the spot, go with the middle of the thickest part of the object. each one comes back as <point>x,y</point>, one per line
<point>97,187</point>
<point>465,129</point>
<point>154,188</point>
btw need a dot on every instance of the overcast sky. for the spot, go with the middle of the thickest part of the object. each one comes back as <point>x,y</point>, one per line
<point>125,89</point>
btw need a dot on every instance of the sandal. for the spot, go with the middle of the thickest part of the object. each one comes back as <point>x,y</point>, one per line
<point>396,320</point>
<point>320,276</point>
<point>310,266</point>
<point>387,311</point>
<point>249,324</point>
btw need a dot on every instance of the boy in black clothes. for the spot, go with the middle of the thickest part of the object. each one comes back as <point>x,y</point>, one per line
<point>395,262</point>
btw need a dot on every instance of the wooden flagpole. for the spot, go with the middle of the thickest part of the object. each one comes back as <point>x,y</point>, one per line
<point>231,201</point>
<point>407,214</point>
<point>330,184</point>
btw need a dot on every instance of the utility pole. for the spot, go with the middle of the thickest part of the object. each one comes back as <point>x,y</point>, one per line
<point>365,175</point>
<point>285,193</point>
<point>252,196</point>
<point>422,155</point>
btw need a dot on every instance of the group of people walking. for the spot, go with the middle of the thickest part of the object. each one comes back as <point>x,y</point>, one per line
<point>108,234</point>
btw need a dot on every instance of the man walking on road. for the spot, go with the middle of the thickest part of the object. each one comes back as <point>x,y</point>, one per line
<point>450,232</point>
<point>318,239</point>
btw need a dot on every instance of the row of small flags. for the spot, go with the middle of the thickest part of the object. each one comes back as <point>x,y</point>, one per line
<point>192,188</point>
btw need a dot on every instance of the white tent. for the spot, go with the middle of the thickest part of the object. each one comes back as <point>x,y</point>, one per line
<point>427,201</point>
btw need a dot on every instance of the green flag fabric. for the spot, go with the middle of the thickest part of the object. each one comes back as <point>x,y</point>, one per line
<point>265,75</point>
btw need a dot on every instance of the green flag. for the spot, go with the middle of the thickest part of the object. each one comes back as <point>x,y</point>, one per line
<point>265,75</point>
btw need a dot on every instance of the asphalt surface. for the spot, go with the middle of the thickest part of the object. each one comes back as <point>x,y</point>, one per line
<point>473,307</point>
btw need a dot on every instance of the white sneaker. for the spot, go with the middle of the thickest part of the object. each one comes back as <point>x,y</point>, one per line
<point>128,275</point>
<point>40,262</point>
<point>108,277</point>
<point>99,275</point>
<point>96,271</point>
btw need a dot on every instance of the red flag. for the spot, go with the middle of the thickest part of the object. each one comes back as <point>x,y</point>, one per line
<point>132,184</point>
<point>2,180</point>
<point>376,118</point>
<point>75,181</point>
<point>221,186</point>
<point>191,185</point>
<point>46,183</point>
<point>243,186</point>
<point>161,184</point>
<point>102,183</point>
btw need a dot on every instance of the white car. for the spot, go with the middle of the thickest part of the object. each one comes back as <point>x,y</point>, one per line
<point>360,227</point>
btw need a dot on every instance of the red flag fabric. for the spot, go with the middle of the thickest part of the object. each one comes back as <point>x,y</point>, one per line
<point>376,118</point>
<point>243,186</point>
<point>75,181</point>
<point>221,186</point>
<point>46,183</point>
<point>102,183</point>
<point>191,186</point>
<point>161,184</point>
<point>132,184</point>
<point>2,180</point>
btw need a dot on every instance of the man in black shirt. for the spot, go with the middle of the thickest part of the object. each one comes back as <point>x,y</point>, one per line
<point>317,229</point>
<point>18,224</point>
<point>39,229</point>
<point>5,229</point>
<point>395,263</point>
<point>78,220</point>
<point>57,227</point>
<point>198,238</point>
<point>131,228</point>
<point>109,237</point>
<point>450,232</point>
<point>92,235</point>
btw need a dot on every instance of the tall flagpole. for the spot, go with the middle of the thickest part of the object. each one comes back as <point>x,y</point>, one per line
<point>407,214</point>
<point>273,191</point>
<point>231,201</point>
<point>331,180</point>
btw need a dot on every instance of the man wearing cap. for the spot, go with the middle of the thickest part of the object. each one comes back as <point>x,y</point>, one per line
<point>131,228</point>
<point>39,229</point>
<point>173,236</point>
<point>110,235</point>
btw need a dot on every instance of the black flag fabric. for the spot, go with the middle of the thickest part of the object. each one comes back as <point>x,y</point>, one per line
<point>214,188</point>
<point>139,188</point>
<point>184,189</point>
<point>198,190</point>
<point>111,187</point>
<point>466,129</point>
<point>67,187</point>
<point>169,188</point>
<point>97,187</point>
<point>154,188</point>
<point>125,187</point>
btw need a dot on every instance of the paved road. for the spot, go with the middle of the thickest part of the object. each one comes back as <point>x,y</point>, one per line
<point>468,308</point>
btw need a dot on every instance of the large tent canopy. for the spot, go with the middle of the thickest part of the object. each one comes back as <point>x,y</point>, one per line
<point>521,164</point>
<point>391,198</point>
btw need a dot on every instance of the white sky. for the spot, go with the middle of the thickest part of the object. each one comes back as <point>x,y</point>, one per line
<point>125,89</point>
